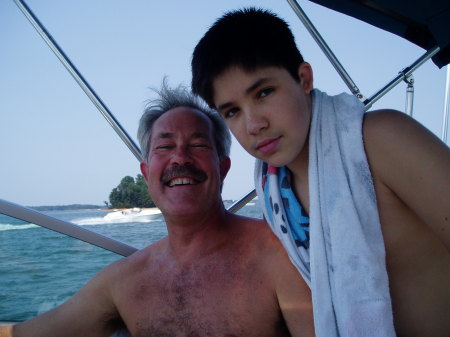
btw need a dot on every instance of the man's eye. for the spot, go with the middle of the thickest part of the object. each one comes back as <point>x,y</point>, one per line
<point>164,147</point>
<point>200,145</point>
<point>265,92</point>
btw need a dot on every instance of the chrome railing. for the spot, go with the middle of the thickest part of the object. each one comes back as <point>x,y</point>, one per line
<point>326,50</point>
<point>403,75</point>
<point>446,107</point>
<point>64,227</point>
<point>79,78</point>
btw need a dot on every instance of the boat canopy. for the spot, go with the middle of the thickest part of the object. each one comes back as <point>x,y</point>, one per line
<point>424,23</point>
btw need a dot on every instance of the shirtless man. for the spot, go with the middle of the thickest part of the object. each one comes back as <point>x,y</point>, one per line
<point>248,67</point>
<point>215,274</point>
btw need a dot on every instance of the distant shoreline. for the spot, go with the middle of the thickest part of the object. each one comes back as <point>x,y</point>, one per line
<point>66,207</point>
<point>86,206</point>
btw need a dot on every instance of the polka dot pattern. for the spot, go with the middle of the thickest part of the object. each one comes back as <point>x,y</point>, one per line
<point>285,210</point>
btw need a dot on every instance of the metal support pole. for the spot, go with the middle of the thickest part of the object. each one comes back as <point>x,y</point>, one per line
<point>327,51</point>
<point>66,228</point>
<point>409,95</point>
<point>405,73</point>
<point>446,107</point>
<point>79,78</point>
<point>242,202</point>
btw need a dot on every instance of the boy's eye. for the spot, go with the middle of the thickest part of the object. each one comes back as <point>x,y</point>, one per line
<point>265,92</point>
<point>230,113</point>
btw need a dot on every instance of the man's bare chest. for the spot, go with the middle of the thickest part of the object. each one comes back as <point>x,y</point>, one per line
<point>203,301</point>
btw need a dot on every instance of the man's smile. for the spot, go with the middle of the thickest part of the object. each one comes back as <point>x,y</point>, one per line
<point>183,175</point>
<point>182,181</point>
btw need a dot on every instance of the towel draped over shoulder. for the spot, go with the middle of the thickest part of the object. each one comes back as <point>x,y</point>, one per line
<point>345,262</point>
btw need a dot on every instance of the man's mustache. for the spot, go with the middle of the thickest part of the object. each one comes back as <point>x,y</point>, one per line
<point>183,171</point>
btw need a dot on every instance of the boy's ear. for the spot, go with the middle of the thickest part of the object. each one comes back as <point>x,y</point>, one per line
<point>306,77</point>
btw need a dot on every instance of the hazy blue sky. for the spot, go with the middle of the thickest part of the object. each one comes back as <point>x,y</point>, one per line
<point>55,146</point>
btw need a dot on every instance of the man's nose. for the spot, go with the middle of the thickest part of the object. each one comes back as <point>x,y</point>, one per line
<point>181,156</point>
<point>256,121</point>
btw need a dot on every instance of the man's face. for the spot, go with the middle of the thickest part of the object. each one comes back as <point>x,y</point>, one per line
<point>267,111</point>
<point>183,171</point>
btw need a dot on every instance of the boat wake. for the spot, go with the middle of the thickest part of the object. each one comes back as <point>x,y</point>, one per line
<point>115,217</point>
<point>9,227</point>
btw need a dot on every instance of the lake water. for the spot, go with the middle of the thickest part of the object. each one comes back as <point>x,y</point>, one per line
<point>40,269</point>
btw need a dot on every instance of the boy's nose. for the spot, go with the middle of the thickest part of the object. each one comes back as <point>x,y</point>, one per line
<point>255,122</point>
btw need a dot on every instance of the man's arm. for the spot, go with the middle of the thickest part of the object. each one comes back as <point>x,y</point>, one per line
<point>90,312</point>
<point>414,164</point>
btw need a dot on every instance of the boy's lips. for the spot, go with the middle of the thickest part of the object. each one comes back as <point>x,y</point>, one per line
<point>268,145</point>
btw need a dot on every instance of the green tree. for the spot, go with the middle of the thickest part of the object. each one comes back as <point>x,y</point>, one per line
<point>130,193</point>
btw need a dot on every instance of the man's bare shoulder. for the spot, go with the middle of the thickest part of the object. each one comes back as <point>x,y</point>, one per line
<point>257,235</point>
<point>256,228</point>
<point>126,267</point>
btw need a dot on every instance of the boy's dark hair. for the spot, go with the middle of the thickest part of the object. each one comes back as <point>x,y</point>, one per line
<point>249,38</point>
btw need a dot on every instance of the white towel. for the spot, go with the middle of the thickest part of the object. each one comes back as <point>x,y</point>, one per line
<point>345,264</point>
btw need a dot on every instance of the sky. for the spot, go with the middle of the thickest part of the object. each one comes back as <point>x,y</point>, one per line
<point>57,149</point>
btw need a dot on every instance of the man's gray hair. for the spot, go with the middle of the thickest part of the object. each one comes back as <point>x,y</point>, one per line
<point>180,97</point>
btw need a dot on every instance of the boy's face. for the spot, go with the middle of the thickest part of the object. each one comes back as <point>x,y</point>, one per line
<point>267,110</point>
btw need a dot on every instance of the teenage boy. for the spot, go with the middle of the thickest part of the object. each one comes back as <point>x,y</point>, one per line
<point>361,201</point>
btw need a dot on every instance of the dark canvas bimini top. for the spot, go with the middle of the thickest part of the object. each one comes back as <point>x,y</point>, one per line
<point>424,23</point>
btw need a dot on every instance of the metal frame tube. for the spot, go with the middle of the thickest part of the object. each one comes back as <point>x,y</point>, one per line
<point>79,78</point>
<point>66,228</point>
<point>242,202</point>
<point>409,95</point>
<point>327,51</point>
<point>446,107</point>
<point>41,219</point>
<point>405,73</point>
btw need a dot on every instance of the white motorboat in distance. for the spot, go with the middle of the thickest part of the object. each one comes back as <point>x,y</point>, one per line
<point>133,215</point>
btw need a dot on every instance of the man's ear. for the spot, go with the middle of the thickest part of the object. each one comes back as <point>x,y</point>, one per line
<point>144,170</point>
<point>305,74</point>
<point>225,165</point>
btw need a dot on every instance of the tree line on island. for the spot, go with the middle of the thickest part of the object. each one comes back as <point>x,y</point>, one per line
<point>130,193</point>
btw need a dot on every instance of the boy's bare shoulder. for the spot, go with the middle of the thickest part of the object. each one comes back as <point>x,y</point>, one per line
<point>392,137</point>
<point>387,124</point>
<point>410,164</point>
